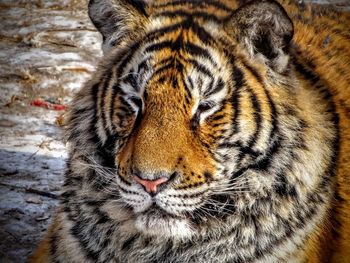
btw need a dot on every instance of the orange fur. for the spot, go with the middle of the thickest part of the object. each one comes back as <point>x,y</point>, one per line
<point>324,37</point>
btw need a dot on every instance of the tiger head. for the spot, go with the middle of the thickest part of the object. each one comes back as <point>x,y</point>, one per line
<point>186,104</point>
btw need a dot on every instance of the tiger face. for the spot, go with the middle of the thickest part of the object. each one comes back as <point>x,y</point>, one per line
<point>200,115</point>
<point>177,134</point>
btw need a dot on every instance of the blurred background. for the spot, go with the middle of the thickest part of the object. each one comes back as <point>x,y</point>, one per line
<point>48,49</point>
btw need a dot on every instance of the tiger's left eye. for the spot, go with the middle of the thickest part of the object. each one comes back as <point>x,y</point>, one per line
<point>202,108</point>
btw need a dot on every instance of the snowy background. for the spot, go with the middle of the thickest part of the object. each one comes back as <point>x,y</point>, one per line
<point>48,49</point>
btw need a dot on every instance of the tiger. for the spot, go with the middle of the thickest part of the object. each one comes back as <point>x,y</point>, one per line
<point>211,131</point>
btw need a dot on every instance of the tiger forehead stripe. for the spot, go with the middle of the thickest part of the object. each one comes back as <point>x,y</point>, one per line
<point>186,46</point>
<point>189,23</point>
<point>199,3</point>
<point>213,11</point>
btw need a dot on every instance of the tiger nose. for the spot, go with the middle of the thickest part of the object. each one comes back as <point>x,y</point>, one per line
<point>150,185</point>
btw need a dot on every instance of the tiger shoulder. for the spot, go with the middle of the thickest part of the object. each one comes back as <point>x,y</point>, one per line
<point>212,131</point>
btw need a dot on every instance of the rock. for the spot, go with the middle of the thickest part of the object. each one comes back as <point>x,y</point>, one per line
<point>43,217</point>
<point>33,200</point>
<point>7,123</point>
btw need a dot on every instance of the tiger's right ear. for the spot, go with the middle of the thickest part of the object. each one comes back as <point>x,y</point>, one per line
<point>265,30</point>
<point>117,19</point>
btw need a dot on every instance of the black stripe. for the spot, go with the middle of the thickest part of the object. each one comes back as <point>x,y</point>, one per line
<point>54,247</point>
<point>196,3</point>
<point>160,46</point>
<point>308,74</point>
<point>106,242</point>
<point>156,34</point>
<point>254,72</point>
<point>103,217</point>
<point>94,139</point>
<point>283,188</point>
<point>202,34</point>
<point>247,150</point>
<point>104,86</point>
<point>260,165</point>
<point>77,230</point>
<point>217,88</point>
<point>174,82</point>
<point>200,67</point>
<point>168,252</point>
<point>125,57</point>
<point>115,89</point>
<point>93,127</point>
<point>128,243</point>
<point>264,163</point>
<point>238,80</point>
<point>218,117</point>
<point>72,180</point>
<point>181,13</point>
<point>125,107</point>
<point>196,50</point>
<point>238,77</point>
<point>178,44</point>
<point>322,89</point>
<point>137,101</point>
<point>124,181</point>
<point>226,145</point>
<point>165,61</point>
<point>163,68</point>
<point>257,118</point>
<point>187,23</point>
<point>106,151</point>
<point>131,79</point>
<point>187,89</point>
<point>143,64</point>
<point>190,81</point>
<point>274,132</point>
<point>138,5</point>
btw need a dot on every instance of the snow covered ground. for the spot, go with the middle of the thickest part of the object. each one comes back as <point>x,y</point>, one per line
<point>47,50</point>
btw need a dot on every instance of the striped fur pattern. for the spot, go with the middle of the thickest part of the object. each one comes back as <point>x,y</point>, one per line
<point>247,121</point>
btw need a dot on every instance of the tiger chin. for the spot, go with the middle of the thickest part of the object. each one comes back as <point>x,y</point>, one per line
<point>212,131</point>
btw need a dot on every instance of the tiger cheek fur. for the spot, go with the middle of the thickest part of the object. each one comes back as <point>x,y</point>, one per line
<point>212,131</point>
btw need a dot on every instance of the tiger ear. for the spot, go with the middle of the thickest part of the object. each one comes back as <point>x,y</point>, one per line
<point>116,19</point>
<point>265,30</point>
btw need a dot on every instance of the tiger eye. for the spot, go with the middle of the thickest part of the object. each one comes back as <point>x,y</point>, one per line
<point>203,107</point>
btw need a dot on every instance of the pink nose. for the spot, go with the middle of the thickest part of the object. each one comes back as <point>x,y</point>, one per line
<point>150,185</point>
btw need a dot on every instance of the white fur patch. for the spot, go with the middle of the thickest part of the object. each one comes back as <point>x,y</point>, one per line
<point>166,227</point>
